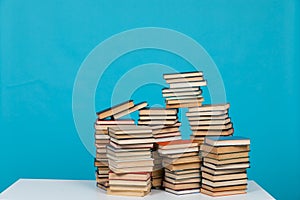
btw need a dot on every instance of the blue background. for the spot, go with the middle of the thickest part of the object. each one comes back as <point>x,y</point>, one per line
<point>254,44</point>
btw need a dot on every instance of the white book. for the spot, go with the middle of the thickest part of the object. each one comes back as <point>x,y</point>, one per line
<point>188,84</point>
<point>182,192</point>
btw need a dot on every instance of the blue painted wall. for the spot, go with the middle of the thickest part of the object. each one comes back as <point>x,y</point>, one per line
<point>254,44</point>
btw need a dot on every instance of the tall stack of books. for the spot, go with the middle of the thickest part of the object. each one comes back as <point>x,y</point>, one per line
<point>163,122</point>
<point>158,171</point>
<point>182,166</point>
<point>184,90</point>
<point>109,118</point>
<point>209,120</point>
<point>225,160</point>
<point>130,161</point>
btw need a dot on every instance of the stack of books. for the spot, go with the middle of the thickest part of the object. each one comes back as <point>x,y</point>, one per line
<point>182,166</point>
<point>209,120</point>
<point>184,90</point>
<point>158,171</point>
<point>225,160</point>
<point>102,139</point>
<point>109,118</point>
<point>130,161</point>
<point>163,122</point>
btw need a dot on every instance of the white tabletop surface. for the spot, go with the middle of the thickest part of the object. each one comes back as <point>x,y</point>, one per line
<point>44,189</point>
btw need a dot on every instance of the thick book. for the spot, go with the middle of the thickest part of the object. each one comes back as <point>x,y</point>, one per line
<point>127,192</point>
<point>167,139</point>
<point>222,172</point>
<point>184,79</point>
<point>212,127</point>
<point>133,141</point>
<point>182,192</point>
<point>182,160</point>
<point>182,172</point>
<point>209,122</point>
<point>178,151</point>
<point>206,113</point>
<point>208,117</point>
<point>185,101</point>
<point>224,183</point>
<point>131,146</point>
<point>185,186</point>
<point>209,132</point>
<point>157,122</point>
<point>130,129</point>
<point>131,163</point>
<point>165,130</point>
<point>189,84</point>
<point>227,166</point>
<point>177,144</point>
<point>131,136</point>
<point>130,169</point>
<point>157,117</point>
<point>126,158</point>
<point>130,110</point>
<point>115,122</point>
<point>129,182</point>
<point>182,176</point>
<point>181,181</point>
<point>181,155</point>
<point>223,193</point>
<point>158,111</point>
<point>224,177</point>
<point>224,188</point>
<point>195,165</point>
<point>182,75</point>
<point>179,90</point>
<point>226,161</point>
<point>130,176</point>
<point>184,105</point>
<point>224,149</point>
<point>227,141</point>
<point>114,110</point>
<point>101,127</point>
<point>225,156</point>
<point>182,93</point>
<point>132,188</point>
<point>211,107</point>
<point>160,127</point>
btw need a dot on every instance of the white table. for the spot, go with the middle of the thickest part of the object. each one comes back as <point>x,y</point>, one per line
<point>44,189</point>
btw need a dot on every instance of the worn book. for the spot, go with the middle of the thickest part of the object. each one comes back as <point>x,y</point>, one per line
<point>175,93</point>
<point>224,177</point>
<point>158,111</point>
<point>130,110</point>
<point>185,79</point>
<point>180,90</point>
<point>225,149</point>
<point>210,107</point>
<point>222,193</point>
<point>116,109</point>
<point>189,84</point>
<point>227,141</point>
<point>182,75</point>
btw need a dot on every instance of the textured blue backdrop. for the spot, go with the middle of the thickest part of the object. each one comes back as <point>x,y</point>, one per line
<point>254,44</point>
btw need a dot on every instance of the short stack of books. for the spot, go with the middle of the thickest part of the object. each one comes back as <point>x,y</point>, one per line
<point>163,122</point>
<point>109,118</point>
<point>158,171</point>
<point>130,161</point>
<point>225,160</point>
<point>209,120</point>
<point>184,90</point>
<point>182,166</point>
